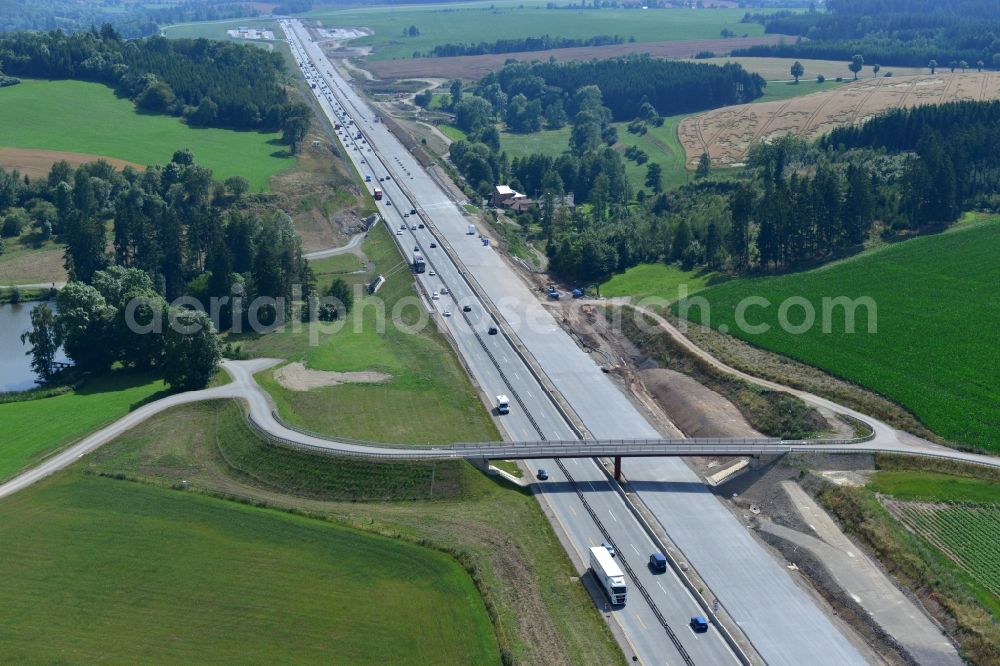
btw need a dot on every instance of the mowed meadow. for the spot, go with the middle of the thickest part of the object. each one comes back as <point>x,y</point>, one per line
<point>937,346</point>
<point>474,22</point>
<point>94,567</point>
<point>81,117</point>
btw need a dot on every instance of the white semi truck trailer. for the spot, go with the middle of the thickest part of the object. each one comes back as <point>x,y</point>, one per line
<point>608,574</point>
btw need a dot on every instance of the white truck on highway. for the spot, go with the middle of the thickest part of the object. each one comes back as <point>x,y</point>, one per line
<point>471,231</point>
<point>608,574</point>
<point>503,404</point>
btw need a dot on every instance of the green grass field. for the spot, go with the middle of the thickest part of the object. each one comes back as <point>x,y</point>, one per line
<point>937,346</point>
<point>429,399</point>
<point>934,487</point>
<point>487,21</point>
<point>81,117</point>
<point>448,504</point>
<point>778,90</point>
<point>96,569</point>
<point>657,281</point>
<point>452,132</point>
<point>34,428</point>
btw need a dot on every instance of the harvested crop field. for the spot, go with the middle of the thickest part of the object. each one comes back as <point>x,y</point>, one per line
<point>475,67</point>
<point>727,133</point>
<point>36,163</point>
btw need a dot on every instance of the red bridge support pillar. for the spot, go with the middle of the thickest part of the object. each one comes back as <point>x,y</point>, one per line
<point>618,468</point>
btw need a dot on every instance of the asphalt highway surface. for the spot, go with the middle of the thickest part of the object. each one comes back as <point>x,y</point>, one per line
<point>781,620</point>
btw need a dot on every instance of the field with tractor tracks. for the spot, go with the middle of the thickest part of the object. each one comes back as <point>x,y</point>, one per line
<point>726,134</point>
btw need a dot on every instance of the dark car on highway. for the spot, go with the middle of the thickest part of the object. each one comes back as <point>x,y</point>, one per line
<point>542,475</point>
<point>657,562</point>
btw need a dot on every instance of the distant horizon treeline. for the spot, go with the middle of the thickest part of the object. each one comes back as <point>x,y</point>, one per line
<point>130,19</point>
<point>906,33</point>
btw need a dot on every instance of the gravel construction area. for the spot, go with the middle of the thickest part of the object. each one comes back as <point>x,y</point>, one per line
<point>297,377</point>
<point>695,409</point>
<point>474,67</point>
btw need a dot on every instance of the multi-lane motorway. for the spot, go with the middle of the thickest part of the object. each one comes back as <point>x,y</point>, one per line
<point>781,620</point>
<point>587,519</point>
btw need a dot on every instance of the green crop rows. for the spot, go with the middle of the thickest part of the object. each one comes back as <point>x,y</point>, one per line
<point>967,533</point>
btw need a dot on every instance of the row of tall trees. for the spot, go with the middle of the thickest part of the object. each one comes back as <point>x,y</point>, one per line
<point>543,43</point>
<point>955,163</point>
<point>211,83</point>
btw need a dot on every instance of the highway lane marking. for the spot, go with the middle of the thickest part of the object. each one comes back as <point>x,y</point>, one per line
<point>613,516</point>
<point>572,510</point>
<point>640,621</point>
<point>661,587</point>
<point>634,548</point>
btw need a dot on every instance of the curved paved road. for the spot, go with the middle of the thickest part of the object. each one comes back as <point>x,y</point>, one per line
<point>334,251</point>
<point>886,438</point>
<point>260,412</point>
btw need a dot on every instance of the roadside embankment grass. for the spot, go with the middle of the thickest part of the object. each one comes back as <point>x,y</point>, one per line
<point>83,117</point>
<point>772,413</point>
<point>660,281</point>
<point>934,487</point>
<point>429,399</point>
<point>33,429</point>
<point>964,608</point>
<point>935,348</point>
<point>97,569</point>
<point>540,611</point>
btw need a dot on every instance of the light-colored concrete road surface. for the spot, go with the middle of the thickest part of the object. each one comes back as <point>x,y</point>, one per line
<point>498,368</point>
<point>334,251</point>
<point>865,582</point>
<point>783,623</point>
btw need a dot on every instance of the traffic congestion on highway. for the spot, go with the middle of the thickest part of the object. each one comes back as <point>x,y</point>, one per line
<point>556,392</point>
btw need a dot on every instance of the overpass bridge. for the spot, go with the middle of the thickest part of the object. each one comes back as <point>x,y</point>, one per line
<point>270,426</point>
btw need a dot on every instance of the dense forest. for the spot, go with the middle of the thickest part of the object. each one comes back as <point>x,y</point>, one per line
<point>890,32</point>
<point>543,43</point>
<point>174,232</point>
<point>626,84</point>
<point>130,18</point>
<point>901,173</point>
<point>592,170</point>
<point>210,83</point>
<point>192,235</point>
